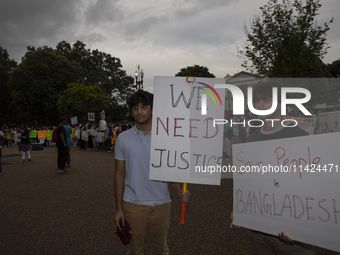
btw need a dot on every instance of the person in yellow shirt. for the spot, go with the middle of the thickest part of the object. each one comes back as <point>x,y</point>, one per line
<point>9,138</point>
<point>73,136</point>
<point>49,136</point>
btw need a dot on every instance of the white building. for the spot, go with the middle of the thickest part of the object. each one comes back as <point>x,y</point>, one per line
<point>242,80</point>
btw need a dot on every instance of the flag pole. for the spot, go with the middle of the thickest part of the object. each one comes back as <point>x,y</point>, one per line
<point>183,205</point>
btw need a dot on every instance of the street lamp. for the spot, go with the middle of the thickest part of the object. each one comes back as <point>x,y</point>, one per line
<point>139,74</point>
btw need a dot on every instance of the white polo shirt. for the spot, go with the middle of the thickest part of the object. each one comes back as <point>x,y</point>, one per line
<point>134,147</point>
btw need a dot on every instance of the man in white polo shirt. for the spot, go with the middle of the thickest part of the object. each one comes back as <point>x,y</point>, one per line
<point>144,203</point>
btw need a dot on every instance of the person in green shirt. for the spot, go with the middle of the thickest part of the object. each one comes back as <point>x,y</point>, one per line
<point>33,135</point>
<point>49,136</point>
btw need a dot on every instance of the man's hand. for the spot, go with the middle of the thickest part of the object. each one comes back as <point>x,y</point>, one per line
<point>285,238</point>
<point>231,223</point>
<point>119,216</point>
<point>184,196</point>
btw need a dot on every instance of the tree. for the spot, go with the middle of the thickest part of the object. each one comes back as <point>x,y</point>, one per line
<point>286,41</point>
<point>196,70</point>
<point>102,69</point>
<point>79,98</point>
<point>334,68</point>
<point>6,67</point>
<point>39,79</point>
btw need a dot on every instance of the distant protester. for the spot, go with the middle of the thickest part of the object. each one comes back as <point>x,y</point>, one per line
<point>62,146</point>
<point>25,144</point>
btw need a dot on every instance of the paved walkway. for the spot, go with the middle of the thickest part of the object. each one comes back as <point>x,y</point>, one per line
<point>43,212</point>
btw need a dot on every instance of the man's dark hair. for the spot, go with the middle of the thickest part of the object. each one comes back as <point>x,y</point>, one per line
<point>141,97</point>
<point>264,91</point>
<point>62,118</point>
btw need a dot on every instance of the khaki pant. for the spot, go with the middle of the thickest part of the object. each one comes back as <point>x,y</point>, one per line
<point>154,218</point>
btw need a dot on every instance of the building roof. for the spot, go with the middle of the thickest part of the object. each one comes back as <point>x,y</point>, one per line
<point>242,78</point>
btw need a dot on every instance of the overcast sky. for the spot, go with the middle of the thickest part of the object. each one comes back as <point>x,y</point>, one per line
<point>162,36</point>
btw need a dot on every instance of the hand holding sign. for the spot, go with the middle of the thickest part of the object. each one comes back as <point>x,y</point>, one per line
<point>183,206</point>
<point>285,238</point>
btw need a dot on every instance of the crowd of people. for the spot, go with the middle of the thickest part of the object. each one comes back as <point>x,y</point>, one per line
<point>142,203</point>
<point>17,135</point>
<point>90,136</point>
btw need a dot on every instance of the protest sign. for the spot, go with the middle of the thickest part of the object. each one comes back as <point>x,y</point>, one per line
<point>92,132</point>
<point>77,133</point>
<point>184,142</point>
<point>91,116</point>
<point>290,185</point>
<point>17,138</point>
<point>102,114</point>
<point>307,124</point>
<point>100,137</point>
<point>42,133</point>
<point>74,120</point>
<point>329,122</point>
<point>84,135</point>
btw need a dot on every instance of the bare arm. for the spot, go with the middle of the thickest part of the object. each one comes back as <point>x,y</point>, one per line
<point>119,189</point>
<point>183,196</point>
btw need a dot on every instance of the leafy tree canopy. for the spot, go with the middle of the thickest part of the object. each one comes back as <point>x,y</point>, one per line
<point>334,68</point>
<point>6,67</point>
<point>100,68</point>
<point>39,79</point>
<point>286,41</point>
<point>44,73</point>
<point>196,70</point>
<point>79,98</point>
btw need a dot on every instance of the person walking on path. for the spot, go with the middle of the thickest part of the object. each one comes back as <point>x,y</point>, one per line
<point>62,146</point>
<point>25,144</point>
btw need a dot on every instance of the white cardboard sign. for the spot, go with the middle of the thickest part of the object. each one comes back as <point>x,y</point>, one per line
<point>102,114</point>
<point>90,116</point>
<point>84,135</point>
<point>74,120</point>
<point>183,138</point>
<point>303,202</point>
<point>329,122</point>
<point>307,124</point>
<point>100,137</point>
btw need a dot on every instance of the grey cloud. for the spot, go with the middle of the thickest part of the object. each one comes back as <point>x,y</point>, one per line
<point>28,22</point>
<point>194,8</point>
<point>103,11</point>
<point>39,17</point>
<point>147,19</point>
<point>92,38</point>
<point>145,24</point>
